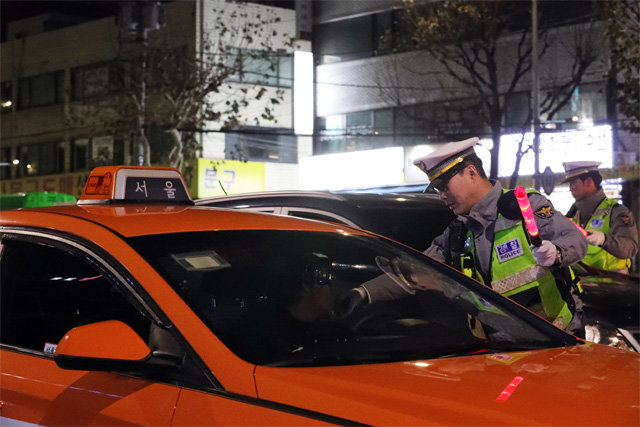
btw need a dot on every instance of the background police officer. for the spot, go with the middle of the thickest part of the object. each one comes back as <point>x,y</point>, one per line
<point>494,249</point>
<point>612,234</point>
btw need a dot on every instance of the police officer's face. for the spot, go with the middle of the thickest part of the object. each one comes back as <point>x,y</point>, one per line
<point>456,193</point>
<point>581,189</point>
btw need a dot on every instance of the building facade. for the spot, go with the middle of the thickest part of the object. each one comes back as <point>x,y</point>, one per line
<point>369,98</point>
<point>58,70</point>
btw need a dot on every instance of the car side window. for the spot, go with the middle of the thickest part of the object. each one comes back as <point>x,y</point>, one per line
<point>46,291</point>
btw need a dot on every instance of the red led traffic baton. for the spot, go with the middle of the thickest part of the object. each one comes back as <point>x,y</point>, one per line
<point>582,230</point>
<point>527,215</point>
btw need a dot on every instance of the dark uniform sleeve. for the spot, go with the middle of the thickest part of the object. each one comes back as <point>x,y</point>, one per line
<point>559,230</point>
<point>382,288</point>
<point>622,239</point>
<point>439,246</point>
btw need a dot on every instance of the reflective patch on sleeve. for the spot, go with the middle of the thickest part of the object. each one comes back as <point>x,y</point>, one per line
<point>509,250</point>
<point>545,212</point>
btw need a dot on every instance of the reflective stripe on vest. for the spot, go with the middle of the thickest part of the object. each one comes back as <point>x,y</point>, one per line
<point>601,221</point>
<point>517,279</point>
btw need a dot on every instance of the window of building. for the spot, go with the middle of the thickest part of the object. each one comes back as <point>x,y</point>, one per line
<point>253,66</point>
<point>344,40</point>
<point>517,108</point>
<point>5,163</point>
<point>95,79</point>
<point>80,154</point>
<point>360,123</point>
<point>7,96</point>
<point>40,90</point>
<point>355,38</point>
<point>363,130</point>
<point>261,145</point>
<point>330,135</point>
<point>41,159</point>
<point>587,103</point>
<point>88,153</point>
<point>383,122</point>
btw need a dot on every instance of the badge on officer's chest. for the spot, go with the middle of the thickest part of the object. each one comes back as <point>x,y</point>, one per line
<point>597,223</point>
<point>509,250</point>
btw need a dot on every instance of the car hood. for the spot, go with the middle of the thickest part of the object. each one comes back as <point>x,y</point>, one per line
<point>582,385</point>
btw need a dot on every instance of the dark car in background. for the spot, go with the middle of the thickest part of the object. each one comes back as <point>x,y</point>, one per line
<point>414,219</point>
<point>612,305</point>
<point>611,300</point>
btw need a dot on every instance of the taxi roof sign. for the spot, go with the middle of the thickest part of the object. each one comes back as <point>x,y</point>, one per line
<point>135,184</point>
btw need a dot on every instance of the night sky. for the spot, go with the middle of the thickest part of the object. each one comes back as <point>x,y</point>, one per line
<point>11,10</point>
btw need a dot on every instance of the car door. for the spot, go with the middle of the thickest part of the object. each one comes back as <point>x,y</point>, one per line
<point>49,286</point>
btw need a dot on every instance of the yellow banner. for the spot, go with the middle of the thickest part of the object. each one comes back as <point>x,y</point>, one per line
<point>220,177</point>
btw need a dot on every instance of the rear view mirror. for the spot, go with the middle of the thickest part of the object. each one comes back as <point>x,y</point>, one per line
<point>102,346</point>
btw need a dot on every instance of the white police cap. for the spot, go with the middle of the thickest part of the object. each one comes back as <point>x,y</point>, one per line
<point>576,169</point>
<point>436,163</point>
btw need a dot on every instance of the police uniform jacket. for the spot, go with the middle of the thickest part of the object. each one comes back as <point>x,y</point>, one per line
<point>622,239</point>
<point>481,220</point>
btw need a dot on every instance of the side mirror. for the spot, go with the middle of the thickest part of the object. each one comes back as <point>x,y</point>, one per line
<point>103,346</point>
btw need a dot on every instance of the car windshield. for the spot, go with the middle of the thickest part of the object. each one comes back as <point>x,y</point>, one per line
<point>285,298</point>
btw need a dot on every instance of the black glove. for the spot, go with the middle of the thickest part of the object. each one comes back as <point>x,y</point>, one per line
<point>350,301</point>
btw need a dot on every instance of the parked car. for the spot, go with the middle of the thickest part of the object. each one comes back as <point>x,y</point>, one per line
<point>414,219</point>
<point>135,307</point>
<point>611,300</point>
<point>611,303</point>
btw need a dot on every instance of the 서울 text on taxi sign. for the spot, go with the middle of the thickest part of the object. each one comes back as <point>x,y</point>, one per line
<point>135,184</point>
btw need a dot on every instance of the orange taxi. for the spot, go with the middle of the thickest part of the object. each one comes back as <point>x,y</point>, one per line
<point>135,307</point>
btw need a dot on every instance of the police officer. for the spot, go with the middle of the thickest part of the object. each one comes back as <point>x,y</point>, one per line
<point>612,234</point>
<point>495,250</point>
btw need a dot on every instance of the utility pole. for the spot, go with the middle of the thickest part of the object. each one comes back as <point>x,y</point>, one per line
<point>140,17</point>
<point>535,93</point>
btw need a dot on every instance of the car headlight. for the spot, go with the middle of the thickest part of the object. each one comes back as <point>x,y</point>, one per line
<point>606,335</point>
<point>592,333</point>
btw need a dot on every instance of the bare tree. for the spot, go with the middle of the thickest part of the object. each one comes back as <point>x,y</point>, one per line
<point>623,29</point>
<point>583,48</point>
<point>182,87</point>
<point>484,46</point>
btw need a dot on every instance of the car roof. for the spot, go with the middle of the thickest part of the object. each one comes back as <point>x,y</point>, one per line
<point>414,219</point>
<point>326,195</point>
<point>340,202</point>
<point>129,220</point>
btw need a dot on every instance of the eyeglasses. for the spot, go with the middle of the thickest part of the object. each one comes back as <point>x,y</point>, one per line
<point>442,187</point>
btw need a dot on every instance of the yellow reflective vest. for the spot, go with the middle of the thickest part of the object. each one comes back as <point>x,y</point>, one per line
<point>514,270</point>
<point>601,221</point>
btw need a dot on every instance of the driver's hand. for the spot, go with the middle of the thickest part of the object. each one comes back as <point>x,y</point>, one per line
<point>351,300</point>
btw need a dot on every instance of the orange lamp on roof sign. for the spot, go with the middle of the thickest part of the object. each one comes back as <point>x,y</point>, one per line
<point>135,184</point>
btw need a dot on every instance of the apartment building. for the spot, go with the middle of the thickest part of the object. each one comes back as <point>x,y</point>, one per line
<point>56,69</point>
